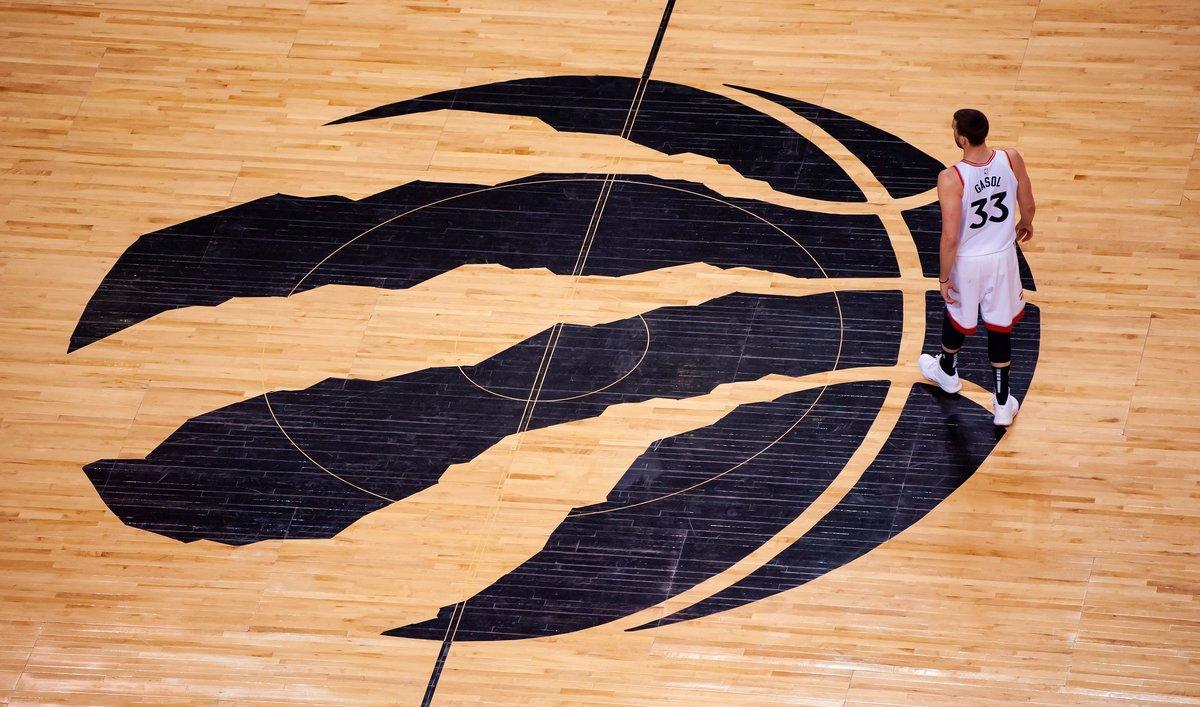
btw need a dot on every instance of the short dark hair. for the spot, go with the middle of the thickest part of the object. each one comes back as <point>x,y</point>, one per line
<point>971,124</point>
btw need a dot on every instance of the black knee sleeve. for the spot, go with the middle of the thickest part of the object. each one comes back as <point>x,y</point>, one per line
<point>952,339</point>
<point>999,346</point>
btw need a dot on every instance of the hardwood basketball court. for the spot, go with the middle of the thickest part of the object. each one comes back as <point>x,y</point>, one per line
<point>563,353</point>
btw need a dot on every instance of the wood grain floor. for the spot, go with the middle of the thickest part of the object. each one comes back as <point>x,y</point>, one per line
<point>1064,572</point>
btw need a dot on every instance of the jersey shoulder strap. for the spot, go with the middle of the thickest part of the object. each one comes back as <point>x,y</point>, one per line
<point>1007,158</point>
<point>957,167</point>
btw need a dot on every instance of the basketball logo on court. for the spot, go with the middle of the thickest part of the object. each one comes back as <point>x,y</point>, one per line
<point>308,463</point>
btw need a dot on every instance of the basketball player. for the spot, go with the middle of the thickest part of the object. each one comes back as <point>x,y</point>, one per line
<point>979,196</point>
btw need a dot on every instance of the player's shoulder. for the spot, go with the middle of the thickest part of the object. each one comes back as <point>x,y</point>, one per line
<point>1013,155</point>
<point>950,177</point>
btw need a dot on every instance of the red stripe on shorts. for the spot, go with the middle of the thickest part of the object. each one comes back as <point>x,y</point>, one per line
<point>1005,329</point>
<point>962,329</point>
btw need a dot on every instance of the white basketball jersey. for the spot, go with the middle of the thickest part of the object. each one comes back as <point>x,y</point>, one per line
<point>988,206</point>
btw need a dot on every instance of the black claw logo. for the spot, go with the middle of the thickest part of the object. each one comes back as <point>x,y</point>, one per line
<point>692,505</point>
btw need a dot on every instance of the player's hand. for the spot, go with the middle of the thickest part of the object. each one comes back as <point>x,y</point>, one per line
<point>947,288</point>
<point>1024,231</point>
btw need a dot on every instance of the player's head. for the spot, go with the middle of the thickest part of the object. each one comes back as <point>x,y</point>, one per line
<point>970,127</point>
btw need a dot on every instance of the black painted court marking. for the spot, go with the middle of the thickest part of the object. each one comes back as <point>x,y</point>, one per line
<point>263,247</point>
<point>584,249</point>
<point>140,490</point>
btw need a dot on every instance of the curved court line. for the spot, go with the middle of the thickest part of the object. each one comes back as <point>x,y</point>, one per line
<point>316,463</point>
<point>625,375</point>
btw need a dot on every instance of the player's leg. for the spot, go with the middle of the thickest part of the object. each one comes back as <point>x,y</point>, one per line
<point>958,320</point>
<point>952,341</point>
<point>942,368</point>
<point>1004,404</point>
<point>1000,355</point>
<point>1003,306</point>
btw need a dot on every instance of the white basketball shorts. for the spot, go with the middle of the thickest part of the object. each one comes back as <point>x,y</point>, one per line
<point>989,283</point>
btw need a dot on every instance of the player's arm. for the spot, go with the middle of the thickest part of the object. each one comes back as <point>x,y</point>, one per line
<point>950,191</point>
<point>1024,196</point>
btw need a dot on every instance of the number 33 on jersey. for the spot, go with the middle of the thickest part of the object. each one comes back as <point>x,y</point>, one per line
<point>989,196</point>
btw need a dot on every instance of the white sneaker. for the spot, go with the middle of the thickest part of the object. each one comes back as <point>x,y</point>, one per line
<point>931,368</point>
<point>1003,415</point>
